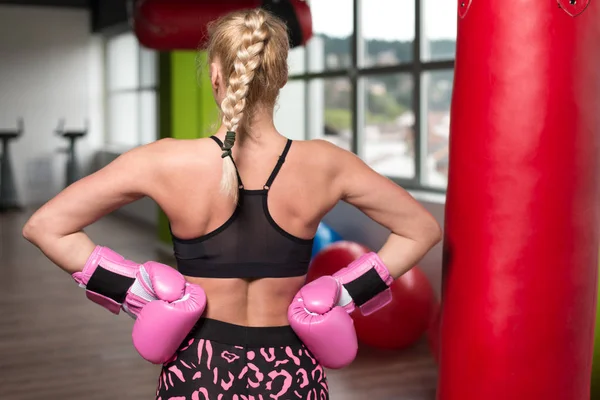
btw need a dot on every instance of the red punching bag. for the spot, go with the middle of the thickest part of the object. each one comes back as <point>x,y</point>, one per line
<point>182,24</point>
<point>520,257</point>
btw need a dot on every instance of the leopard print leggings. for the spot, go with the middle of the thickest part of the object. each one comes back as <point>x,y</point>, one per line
<point>221,361</point>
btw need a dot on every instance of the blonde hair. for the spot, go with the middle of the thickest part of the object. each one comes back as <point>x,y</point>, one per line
<point>252,47</point>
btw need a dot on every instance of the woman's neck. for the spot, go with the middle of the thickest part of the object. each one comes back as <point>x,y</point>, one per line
<point>261,132</point>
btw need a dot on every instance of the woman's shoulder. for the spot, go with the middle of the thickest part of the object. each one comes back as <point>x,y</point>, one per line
<point>183,146</point>
<point>171,152</point>
<point>319,148</point>
<point>324,153</point>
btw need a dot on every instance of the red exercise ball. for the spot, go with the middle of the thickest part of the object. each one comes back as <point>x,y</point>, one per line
<point>403,321</point>
<point>333,258</point>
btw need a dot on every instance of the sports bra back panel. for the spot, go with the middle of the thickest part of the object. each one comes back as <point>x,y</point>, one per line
<point>249,244</point>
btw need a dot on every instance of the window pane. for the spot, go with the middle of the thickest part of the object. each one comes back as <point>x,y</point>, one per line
<point>329,48</point>
<point>389,125</point>
<point>148,66</point>
<point>297,60</point>
<point>123,119</point>
<point>439,30</point>
<point>388,31</point>
<point>148,116</point>
<point>122,62</point>
<point>290,112</point>
<point>329,113</point>
<point>437,87</point>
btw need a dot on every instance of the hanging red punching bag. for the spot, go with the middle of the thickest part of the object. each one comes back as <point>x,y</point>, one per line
<point>520,257</point>
<point>182,24</point>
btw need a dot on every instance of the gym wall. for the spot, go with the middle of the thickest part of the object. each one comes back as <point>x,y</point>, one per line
<point>50,68</point>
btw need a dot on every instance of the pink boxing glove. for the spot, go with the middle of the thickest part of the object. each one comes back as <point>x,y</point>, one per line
<point>326,330</point>
<point>107,278</point>
<point>116,283</point>
<point>319,314</point>
<point>162,325</point>
<point>365,283</point>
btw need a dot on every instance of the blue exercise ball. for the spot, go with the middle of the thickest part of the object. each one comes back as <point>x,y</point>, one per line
<point>324,237</point>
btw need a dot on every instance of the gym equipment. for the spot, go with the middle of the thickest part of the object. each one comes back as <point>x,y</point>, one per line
<point>72,168</point>
<point>324,237</point>
<point>182,24</point>
<point>522,207</point>
<point>8,189</point>
<point>333,258</point>
<point>402,322</point>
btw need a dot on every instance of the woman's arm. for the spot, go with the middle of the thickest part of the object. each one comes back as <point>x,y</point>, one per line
<point>56,228</point>
<point>414,231</point>
<point>320,312</point>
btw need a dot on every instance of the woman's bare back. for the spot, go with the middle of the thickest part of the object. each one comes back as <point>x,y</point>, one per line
<point>259,302</point>
<point>300,196</point>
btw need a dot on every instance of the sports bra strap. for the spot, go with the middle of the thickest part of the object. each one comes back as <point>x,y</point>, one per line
<point>217,140</point>
<point>220,143</point>
<point>279,164</point>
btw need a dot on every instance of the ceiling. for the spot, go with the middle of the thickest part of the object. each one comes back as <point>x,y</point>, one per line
<point>52,3</point>
<point>105,14</point>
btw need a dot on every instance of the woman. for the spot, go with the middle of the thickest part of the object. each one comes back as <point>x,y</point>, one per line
<point>242,235</point>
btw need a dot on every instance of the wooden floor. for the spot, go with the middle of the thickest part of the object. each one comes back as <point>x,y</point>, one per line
<point>55,345</point>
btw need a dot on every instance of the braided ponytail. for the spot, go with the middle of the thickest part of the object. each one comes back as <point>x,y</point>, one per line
<point>247,61</point>
<point>252,47</point>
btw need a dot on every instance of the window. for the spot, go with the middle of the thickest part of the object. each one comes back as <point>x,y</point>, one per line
<point>438,30</point>
<point>131,92</point>
<point>437,93</point>
<point>389,146</point>
<point>376,79</point>
<point>388,32</point>
<point>330,112</point>
<point>290,110</point>
<point>331,47</point>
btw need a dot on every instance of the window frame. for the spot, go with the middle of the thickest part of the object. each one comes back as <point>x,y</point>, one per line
<point>137,90</point>
<point>356,74</point>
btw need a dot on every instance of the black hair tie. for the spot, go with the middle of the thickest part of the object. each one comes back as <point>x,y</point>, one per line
<point>228,144</point>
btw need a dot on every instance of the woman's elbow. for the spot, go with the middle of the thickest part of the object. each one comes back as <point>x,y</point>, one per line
<point>32,230</point>
<point>28,231</point>
<point>433,231</point>
<point>439,234</point>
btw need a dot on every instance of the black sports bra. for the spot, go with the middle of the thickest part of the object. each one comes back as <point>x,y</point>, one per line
<point>249,244</point>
